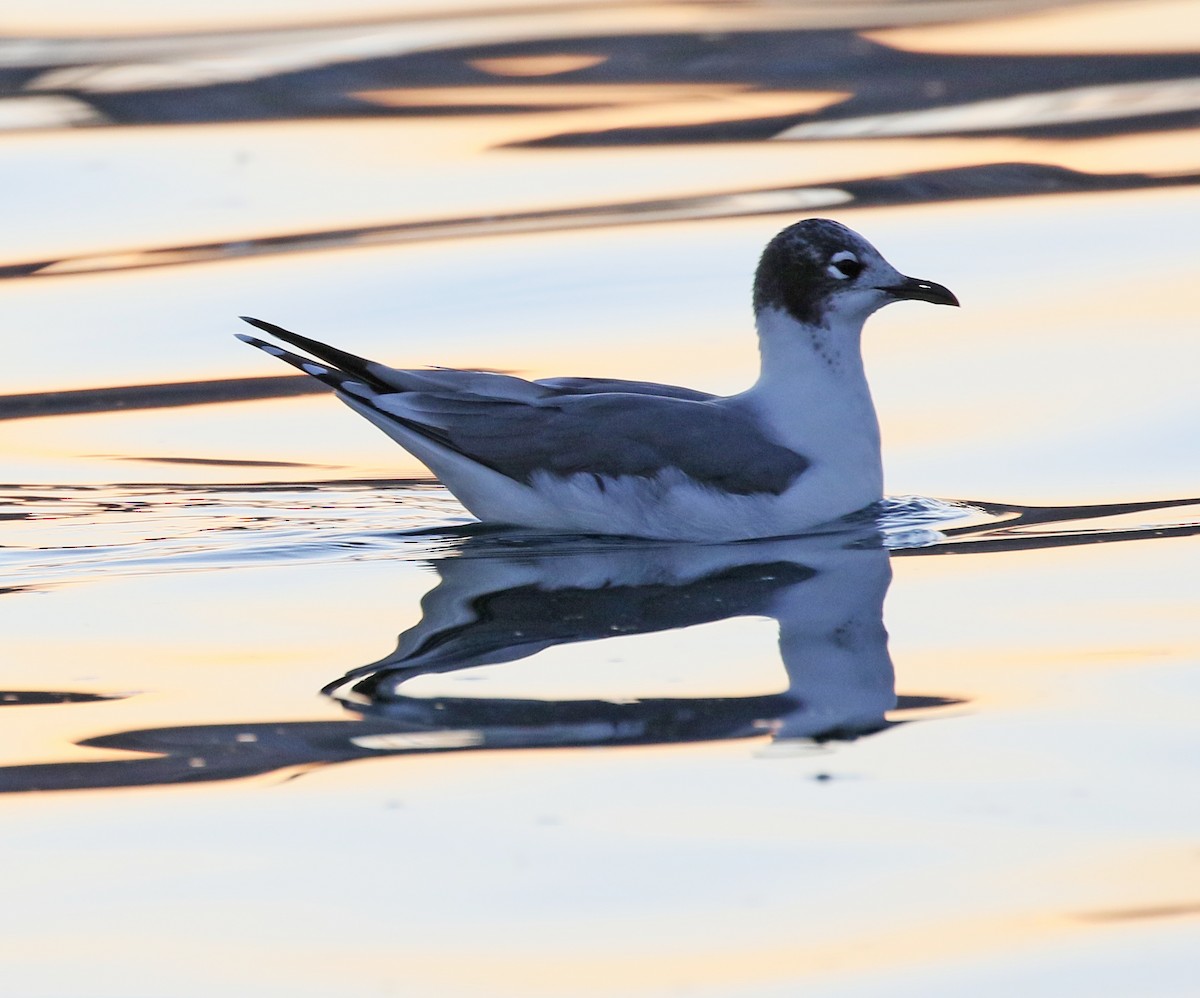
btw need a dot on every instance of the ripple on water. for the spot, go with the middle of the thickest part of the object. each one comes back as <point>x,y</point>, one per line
<point>82,533</point>
<point>86,533</point>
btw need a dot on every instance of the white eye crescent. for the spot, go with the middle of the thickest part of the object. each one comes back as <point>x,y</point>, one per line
<point>844,265</point>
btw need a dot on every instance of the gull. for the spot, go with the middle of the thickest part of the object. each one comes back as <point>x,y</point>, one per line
<point>798,450</point>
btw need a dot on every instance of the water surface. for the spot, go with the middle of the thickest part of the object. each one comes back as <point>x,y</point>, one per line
<point>946,749</point>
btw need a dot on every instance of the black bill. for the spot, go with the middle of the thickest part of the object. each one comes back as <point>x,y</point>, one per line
<point>917,290</point>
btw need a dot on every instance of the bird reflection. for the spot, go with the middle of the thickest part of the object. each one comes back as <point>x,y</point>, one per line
<point>504,596</point>
<point>500,599</point>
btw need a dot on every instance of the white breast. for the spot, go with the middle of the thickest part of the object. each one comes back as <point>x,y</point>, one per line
<point>812,396</point>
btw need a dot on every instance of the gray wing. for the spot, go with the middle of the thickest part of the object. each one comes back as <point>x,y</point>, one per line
<point>506,386</point>
<point>600,386</point>
<point>606,435</point>
<point>562,426</point>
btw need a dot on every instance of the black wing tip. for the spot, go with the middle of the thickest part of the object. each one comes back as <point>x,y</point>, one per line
<point>327,376</point>
<point>350,365</point>
<point>266,327</point>
<point>274,351</point>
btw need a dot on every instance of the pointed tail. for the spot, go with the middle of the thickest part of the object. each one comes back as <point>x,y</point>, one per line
<point>358,368</point>
<point>330,376</point>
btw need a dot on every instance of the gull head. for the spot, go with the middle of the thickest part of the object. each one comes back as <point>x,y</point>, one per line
<point>823,274</point>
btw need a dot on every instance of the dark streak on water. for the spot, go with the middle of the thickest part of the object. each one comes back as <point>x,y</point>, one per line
<point>218,462</point>
<point>881,79</point>
<point>91,400</point>
<point>991,180</point>
<point>42,698</point>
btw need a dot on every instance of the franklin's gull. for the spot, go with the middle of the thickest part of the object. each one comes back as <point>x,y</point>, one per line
<point>798,449</point>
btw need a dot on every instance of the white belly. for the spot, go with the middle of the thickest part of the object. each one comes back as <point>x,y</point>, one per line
<point>670,506</point>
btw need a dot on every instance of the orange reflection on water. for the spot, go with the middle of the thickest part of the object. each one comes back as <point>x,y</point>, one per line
<point>537,65</point>
<point>622,105</point>
<point>1073,105</point>
<point>233,182</point>
<point>110,447</point>
<point>465,21</point>
<point>1145,26</point>
<point>205,648</point>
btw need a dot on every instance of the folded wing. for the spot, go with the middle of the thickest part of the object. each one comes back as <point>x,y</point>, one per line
<point>560,427</point>
<point>609,436</point>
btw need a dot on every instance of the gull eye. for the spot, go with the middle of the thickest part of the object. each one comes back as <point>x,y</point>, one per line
<point>844,266</point>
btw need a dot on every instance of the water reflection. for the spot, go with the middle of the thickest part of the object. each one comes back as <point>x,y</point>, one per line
<point>503,596</point>
<point>782,74</point>
<point>26,698</point>
<point>38,404</point>
<point>87,534</point>
<point>554,88</point>
<point>988,180</point>
<point>496,603</point>
<point>776,62</point>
